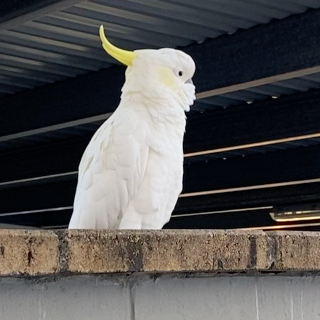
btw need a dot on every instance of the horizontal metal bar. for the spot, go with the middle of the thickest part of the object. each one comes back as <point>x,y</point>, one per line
<point>15,226</point>
<point>187,155</point>
<point>262,186</point>
<point>257,83</point>
<point>220,211</point>
<point>253,145</point>
<point>62,226</point>
<point>174,216</point>
<point>55,127</point>
<point>7,214</point>
<point>185,195</point>
<point>51,176</point>
<point>285,226</point>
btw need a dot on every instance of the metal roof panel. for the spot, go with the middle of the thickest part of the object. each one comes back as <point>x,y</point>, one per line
<point>61,40</point>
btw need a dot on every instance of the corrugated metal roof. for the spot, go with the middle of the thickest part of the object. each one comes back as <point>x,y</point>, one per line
<point>53,44</point>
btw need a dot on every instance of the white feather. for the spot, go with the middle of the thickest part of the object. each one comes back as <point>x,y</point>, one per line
<point>130,175</point>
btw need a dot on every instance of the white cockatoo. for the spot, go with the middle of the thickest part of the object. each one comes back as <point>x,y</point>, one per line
<point>130,175</point>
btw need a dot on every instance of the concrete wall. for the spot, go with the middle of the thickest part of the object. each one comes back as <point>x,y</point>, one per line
<point>167,297</point>
<point>31,260</point>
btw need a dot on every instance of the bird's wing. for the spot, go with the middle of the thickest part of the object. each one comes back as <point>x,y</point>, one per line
<point>110,171</point>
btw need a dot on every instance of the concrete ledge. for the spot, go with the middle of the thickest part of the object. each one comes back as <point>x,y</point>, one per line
<point>28,252</point>
<point>45,253</point>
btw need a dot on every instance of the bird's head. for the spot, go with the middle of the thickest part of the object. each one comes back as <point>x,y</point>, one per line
<point>164,74</point>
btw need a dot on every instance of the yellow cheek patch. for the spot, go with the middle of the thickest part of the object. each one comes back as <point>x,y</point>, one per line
<point>167,77</point>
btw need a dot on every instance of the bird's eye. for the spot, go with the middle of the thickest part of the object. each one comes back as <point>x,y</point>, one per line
<point>180,73</point>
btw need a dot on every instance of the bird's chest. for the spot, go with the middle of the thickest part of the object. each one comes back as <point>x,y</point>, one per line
<point>167,140</point>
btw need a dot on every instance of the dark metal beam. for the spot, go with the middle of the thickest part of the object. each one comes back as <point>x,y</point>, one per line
<point>45,159</point>
<point>258,169</point>
<point>85,96</point>
<point>285,117</point>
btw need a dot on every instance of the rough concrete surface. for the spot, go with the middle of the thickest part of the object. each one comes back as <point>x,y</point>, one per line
<point>30,253</point>
<point>165,251</point>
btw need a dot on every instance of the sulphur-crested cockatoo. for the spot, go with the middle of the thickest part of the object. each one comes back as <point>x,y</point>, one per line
<point>130,175</point>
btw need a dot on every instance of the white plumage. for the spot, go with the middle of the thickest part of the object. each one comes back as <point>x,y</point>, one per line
<point>130,175</point>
